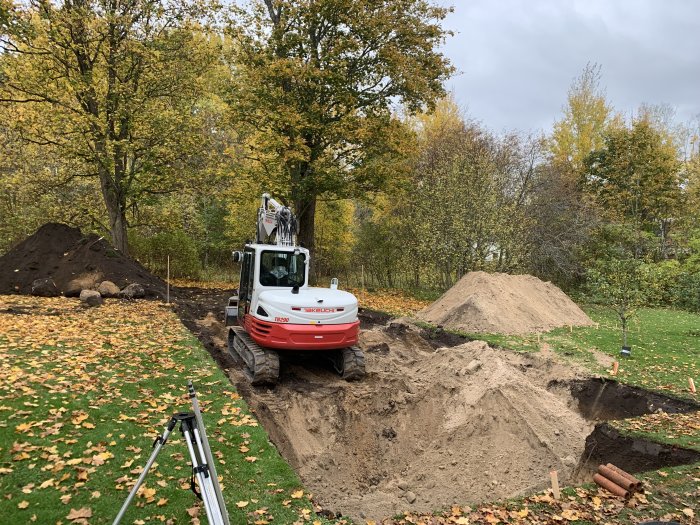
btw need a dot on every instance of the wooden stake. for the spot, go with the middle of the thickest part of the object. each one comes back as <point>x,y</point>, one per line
<point>571,328</point>
<point>691,384</point>
<point>616,365</point>
<point>555,484</point>
<point>538,338</point>
<point>167,281</point>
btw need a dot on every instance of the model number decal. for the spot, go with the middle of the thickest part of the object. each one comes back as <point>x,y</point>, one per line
<point>281,319</point>
<point>319,310</point>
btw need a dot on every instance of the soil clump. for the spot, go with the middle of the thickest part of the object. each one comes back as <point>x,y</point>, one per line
<point>504,304</point>
<point>73,261</point>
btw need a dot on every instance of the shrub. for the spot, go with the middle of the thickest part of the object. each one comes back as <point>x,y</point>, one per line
<point>153,253</point>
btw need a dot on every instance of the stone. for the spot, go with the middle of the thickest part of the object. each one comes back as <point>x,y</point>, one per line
<point>73,288</point>
<point>108,289</point>
<point>91,297</point>
<point>133,291</point>
<point>410,496</point>
<point>570,461</point>
<point>402,485</point>
<point>45,288</point>
<point>472,367</point>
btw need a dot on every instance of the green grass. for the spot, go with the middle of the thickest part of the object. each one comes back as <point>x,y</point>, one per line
<point>665,353</point>
<point>84,395</point>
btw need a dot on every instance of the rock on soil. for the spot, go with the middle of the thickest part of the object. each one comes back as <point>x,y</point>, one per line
<point>133,291</point>
<point>425,429</point>
<point>44,288</point>
<point>91,297</point>
<point>108,289</point>
<point>73,261</point>
<point>504,304</point>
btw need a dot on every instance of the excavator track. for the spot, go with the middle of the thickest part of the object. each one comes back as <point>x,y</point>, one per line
<point>262,365</point>
<point>350,363</point>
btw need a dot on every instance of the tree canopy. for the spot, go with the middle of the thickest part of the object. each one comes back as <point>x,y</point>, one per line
<point>317,85</point>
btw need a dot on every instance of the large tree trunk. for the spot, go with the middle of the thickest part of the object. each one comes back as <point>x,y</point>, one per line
<point>306,212</point>
<point>116,209</point>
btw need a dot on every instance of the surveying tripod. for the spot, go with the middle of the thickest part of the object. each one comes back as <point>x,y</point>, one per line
<point>203,469</point>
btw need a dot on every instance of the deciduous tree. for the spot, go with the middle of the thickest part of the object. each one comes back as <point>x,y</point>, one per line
<point>316,85</point>
<point>113,86</point>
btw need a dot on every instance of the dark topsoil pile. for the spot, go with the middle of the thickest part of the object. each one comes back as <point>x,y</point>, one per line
<point>73,261</point>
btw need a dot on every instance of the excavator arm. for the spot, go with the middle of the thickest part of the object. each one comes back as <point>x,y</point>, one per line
<point>275,218</point>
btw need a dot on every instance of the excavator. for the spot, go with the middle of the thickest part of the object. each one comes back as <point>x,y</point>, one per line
<point>275,310</point>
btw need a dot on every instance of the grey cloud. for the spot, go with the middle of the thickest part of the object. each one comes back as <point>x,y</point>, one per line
<point>517,58</point>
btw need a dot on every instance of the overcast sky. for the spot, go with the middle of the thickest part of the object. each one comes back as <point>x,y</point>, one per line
<point>517,58</point>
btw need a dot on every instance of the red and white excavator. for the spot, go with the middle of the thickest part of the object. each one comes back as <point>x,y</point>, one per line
<point>275,309</point>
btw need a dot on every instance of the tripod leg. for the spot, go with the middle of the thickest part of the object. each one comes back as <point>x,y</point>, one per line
<point>203,475</point>
<point>207,452</point>
<point>209,480</point>
<point>157,445</point>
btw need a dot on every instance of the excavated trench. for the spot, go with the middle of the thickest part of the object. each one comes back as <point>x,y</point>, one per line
<point>438,419</point>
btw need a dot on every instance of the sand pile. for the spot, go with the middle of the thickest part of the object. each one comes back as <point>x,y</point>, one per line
<point>426,428</point>
<point>504,304</point>
<point>73,261</point>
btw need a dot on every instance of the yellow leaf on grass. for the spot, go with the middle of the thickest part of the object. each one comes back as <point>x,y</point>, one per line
<point>570,515</point>
<point>47,483</point>
<point>23,504</point>
<point>462,521</point>
<point>297,494</point>
<point>148,493</point>
<point>23,427</point>
<point>83,512</point>
<point>689,512</point>
<point>251,459</point>
<point>161,502</point>
<point>241,504</point>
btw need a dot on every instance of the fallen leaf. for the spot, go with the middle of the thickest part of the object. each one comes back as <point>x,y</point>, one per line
<point>83,512</point>
<point>242,504</point>
<point>297,494</point>
<point>23,504</point>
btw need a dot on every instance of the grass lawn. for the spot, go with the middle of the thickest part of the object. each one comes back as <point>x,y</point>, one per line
<point>84,394</point>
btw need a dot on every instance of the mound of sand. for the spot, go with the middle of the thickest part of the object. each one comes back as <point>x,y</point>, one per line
<point>504,304</point>
<point>63,254</point>
<point>426,428</point>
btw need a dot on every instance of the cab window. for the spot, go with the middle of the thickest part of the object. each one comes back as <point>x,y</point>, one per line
<point>282,268</point>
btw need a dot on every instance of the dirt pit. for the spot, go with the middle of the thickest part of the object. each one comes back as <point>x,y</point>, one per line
<point>425,429</point>
<point>432,426</point>
<point>504,304</point>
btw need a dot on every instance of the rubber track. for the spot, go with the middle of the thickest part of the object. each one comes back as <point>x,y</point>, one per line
<point>353,363</point>
<point>262,364</point>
